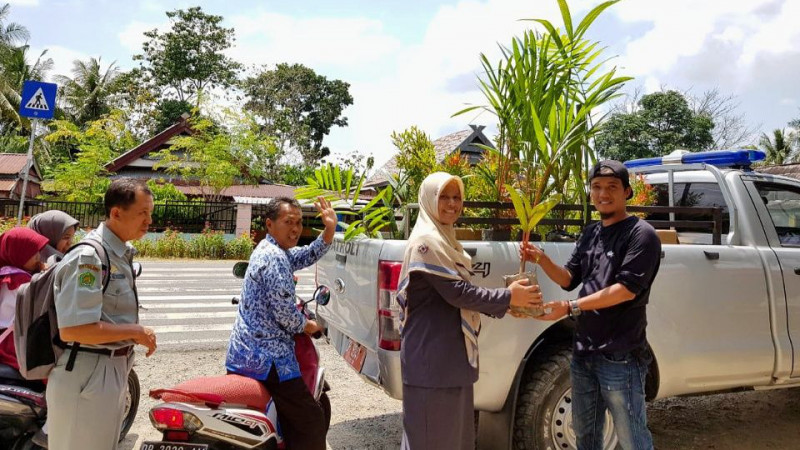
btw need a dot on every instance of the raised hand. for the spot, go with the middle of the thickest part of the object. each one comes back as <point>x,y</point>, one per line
<point>328,216</point>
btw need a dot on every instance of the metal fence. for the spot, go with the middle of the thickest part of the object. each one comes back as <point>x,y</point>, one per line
<point>89,214</point>
<point>187,217</point>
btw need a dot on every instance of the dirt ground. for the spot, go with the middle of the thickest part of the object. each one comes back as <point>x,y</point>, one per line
<point>365,418</point>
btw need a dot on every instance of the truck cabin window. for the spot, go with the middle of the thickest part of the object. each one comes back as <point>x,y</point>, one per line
<point>783,205</point>
<point>702,195</point>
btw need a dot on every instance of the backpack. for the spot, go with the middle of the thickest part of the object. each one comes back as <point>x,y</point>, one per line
<point>36,338</point>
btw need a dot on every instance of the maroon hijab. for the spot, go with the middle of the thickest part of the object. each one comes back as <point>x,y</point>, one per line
<point>17,246</point>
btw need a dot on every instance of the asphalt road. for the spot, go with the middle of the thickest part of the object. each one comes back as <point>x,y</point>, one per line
<point>188,303</point>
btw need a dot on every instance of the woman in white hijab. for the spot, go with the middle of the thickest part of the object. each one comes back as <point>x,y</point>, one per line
<point>441,321</point>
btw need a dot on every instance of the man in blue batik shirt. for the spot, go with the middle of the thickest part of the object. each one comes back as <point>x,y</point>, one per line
<point>262,340</point>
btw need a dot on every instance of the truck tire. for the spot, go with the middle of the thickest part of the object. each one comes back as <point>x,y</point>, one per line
<point>543,418</point>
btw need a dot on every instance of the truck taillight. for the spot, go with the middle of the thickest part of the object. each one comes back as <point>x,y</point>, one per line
<point>388,309</point>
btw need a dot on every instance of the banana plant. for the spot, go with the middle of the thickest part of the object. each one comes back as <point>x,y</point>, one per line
<point>529,215</point>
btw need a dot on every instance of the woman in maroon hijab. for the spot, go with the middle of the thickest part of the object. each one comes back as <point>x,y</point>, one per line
<point>19,258</point>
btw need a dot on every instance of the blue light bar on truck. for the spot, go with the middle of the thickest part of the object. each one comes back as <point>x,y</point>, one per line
<point>718,158</point>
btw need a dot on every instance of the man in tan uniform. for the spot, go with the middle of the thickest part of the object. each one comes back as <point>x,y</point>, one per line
<point>86,395</point>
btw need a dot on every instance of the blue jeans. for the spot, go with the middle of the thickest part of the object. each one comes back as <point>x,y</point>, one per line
<point>614,382</point>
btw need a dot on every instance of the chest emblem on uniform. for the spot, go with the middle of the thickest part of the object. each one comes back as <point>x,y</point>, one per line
<point>86,279</point>
<point>610,253</point>
<point>422,249</point>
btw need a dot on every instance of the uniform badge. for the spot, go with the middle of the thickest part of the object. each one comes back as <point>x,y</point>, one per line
<point>86,279</point>
<point>422,249</point>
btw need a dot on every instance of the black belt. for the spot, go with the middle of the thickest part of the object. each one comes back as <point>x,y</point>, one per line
<point>75,348</point>
<point>124,351</point>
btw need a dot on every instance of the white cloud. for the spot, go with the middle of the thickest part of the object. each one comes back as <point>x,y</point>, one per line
<point>425,84</point>
<point>23,2</point>
<point>748,28</point>
<point>62,58</point>
<point>747,48</point>
<point>398,81</point>
<point>268,38</point>
<point>132,36</point>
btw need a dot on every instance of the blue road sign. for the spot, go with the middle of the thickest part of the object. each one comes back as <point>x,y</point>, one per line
<point>38,99</point>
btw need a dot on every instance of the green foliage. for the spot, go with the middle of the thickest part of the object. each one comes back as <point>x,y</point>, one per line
<point>239,248</point>
<point>342,187</point>
<point>664,122</point>
<point>337,184</point>
<point>189,58</point>
<point>294,175</point>
<point>15,68</point>
<point>220,156</point>
<point>298,107</point>
<point>86,96</point>
<point>164,192</point>
<point>530,215</point>
<point>782,147</point>
<point>168,111</point>
<point>543,92</point>
<point>83,177</point>
<point>171,244</point>
<point>7,223</point>
<point>131,92</point>
<point>208,245</point>
<point>416,158</point>
<point>11,34</point>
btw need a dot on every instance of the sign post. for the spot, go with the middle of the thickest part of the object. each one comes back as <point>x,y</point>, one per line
<point>38,103</point>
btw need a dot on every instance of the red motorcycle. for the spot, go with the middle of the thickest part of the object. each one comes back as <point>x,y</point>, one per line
<point>233,411</point>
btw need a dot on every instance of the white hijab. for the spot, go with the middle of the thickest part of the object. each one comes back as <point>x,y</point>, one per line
<point>433,248</point>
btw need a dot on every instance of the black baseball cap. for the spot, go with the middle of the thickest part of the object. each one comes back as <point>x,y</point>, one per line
<point>612,168</point>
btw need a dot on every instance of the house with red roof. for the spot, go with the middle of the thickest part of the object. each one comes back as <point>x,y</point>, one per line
<point>12,172</point>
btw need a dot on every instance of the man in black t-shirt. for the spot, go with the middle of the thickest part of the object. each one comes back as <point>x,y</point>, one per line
<point>616,260</point>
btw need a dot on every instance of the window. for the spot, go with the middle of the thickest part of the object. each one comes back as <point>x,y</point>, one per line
<point>783,205</point>
<point>701,195</point>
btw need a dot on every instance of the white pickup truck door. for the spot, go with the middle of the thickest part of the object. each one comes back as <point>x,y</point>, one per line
<point>780,216</point>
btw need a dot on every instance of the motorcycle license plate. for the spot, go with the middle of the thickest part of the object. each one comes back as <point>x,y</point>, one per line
<point>355,355</point>
<point>150,445</point>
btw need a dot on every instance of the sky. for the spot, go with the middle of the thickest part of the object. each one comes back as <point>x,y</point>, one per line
<point>415,62</point>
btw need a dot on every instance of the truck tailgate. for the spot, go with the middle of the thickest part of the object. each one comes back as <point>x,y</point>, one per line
<point>350,271</point>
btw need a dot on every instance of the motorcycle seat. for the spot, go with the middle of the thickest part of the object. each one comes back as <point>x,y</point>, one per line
<point>231,389</point>
<point>11,376</point>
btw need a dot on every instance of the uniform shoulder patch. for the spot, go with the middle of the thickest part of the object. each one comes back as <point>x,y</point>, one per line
<point>86,279</point>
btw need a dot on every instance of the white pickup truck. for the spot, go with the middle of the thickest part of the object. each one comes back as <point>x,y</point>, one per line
<point>722,316</point>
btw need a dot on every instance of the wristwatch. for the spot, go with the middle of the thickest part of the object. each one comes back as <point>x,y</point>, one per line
<point>574,309</point>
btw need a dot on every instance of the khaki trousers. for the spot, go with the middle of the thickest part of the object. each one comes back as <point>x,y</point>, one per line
<point>85,405</point>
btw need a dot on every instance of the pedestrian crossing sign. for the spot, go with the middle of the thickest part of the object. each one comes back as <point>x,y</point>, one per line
<point>38,99</point>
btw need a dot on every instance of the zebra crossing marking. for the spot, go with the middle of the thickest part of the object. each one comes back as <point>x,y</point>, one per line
<point>191,315</point>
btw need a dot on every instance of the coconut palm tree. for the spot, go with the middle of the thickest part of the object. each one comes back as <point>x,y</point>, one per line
<point>85,96</point>
<point>16,68</point>
<point>11,34</point>
<point>779,147</point>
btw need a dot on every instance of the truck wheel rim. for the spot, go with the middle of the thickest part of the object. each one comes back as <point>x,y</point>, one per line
<point>561,426</point>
